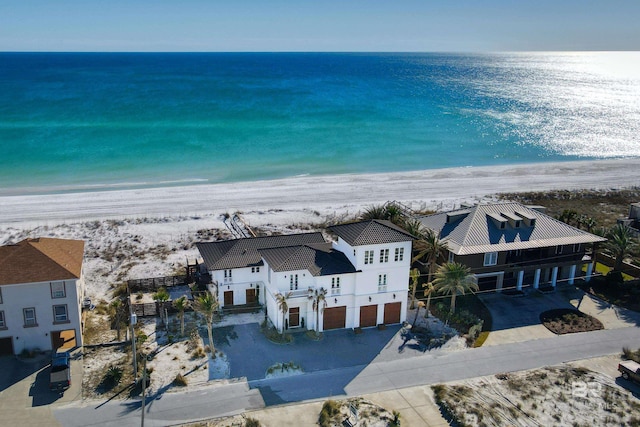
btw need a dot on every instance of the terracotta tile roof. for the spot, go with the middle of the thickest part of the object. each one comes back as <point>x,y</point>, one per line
<point>41,260</point>
<point>371,232</point>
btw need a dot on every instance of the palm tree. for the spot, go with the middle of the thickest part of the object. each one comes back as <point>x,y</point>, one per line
<point>206,304</point>
<point>429,246</point>
<point>161,297</point>
<point>429,288</point>
<point>181,305</point>
<point>118,314</point>
<point>454,278</point>
<point>373,212</point>
<point>283,306</point>
<point>620,243</point>
<point>414,275</point>
<point>319,304</point>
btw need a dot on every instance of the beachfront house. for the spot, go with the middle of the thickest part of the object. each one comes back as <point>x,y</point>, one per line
<point>362,275</point>
<point>511,246</point>
<point>41,290</point>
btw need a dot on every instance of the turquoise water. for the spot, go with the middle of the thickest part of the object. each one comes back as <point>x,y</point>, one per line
<point>75,121</point>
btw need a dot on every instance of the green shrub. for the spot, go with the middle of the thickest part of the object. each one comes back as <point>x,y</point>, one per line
<point>113,375</point>
<point>180,380</point>
<point>251,422</point>
<point>330,409</point>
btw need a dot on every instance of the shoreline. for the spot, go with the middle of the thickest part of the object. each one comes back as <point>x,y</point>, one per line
<point>322,195</point>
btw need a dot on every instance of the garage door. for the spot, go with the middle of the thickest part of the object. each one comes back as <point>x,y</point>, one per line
<point>334,318</point>
<point>489,283</point>
<point>6,346</point>
<point>392,313</point>
<point>368,315</point>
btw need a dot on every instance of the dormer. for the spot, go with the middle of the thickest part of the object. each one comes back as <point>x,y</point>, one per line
<point>529,220</point>
<point>456,215</point>
<point>498,220</point>
<point>515,221</point>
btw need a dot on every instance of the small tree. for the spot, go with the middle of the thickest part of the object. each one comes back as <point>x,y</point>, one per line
<point>452,279</point>
<point>206,304</point>
<point>414,275</point>
<point>318,296</point>
<point>430,246</point>
<point>117,314</point>
<point>181,305</point>
<point>161,297</point>
<point>283,306</point>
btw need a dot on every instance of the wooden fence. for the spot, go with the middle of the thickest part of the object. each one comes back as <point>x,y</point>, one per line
<point>155,283</point>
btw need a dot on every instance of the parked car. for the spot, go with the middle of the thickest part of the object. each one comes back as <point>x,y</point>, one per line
<point>60,377</point>
<point>630,370</point>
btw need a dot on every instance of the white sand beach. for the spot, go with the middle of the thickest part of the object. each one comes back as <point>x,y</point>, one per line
<point>323,194</point>
<point>151,232</point>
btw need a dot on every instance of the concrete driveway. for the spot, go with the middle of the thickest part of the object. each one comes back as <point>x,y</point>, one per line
<point>25,398</point>
<point>517,318</point>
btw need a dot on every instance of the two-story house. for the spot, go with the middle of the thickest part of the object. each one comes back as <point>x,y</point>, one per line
<point>509,245</point>
<point>364,275</point>
<point>41,291</point>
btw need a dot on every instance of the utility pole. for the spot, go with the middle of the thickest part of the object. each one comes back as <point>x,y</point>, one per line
<point>144,386</point>
<point>132,321</point>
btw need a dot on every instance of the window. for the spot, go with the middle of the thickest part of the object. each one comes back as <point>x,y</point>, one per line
<point>576,247</point>
<point>29,316</point>
<point>490,258</point>
<point>227,276</point>
<point>354,252</point>
<point>255,269</point>
<point>368,257</point>
<point>57,290</point>
<point>3,325</point>
<point>382,283</point>
<point>60,314</point>
<point>399,256</point>
<point>335,286</point>
<point>452,256</point>
<point>558,250</point>
<point>384,255</point>
<point>293,282</point>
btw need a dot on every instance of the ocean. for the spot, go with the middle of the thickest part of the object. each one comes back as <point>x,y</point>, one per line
<point>97,121</point>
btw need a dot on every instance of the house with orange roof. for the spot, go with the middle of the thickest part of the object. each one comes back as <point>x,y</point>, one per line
<point>41,292</point>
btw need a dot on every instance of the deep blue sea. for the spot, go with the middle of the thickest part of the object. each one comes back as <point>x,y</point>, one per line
<point>77,121</point>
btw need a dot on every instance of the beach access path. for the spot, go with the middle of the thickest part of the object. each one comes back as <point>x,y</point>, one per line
<point>239,397</point>
<point>323,194</point>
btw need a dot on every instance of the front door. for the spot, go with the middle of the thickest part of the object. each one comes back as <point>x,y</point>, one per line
<point>251,296</point>
<point>294,317</point>
<point>228,298</point>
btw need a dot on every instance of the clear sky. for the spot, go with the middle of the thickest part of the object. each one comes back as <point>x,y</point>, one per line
<point>316,25</point>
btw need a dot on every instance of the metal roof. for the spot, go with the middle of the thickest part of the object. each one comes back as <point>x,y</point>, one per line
<point>318,259</point>
<point>371,232</point>
<point>477,231</point>
<point>239,253</point>
<point>41,260</point>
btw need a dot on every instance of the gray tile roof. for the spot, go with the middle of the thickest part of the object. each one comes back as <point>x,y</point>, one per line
<point>241,253</point>
<point>476,230</point>
<point>318,259</point>
<point>371,232</point>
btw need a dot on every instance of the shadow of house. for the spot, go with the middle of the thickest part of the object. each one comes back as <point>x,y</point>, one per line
<point>341,352</point>
<point>15,370</point>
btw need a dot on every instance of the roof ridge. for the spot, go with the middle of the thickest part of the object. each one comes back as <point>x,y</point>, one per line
<point>472,217</point>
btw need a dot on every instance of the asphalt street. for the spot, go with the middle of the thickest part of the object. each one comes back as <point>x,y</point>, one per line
<point>238,397</point>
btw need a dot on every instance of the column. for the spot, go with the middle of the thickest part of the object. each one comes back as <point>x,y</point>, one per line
<point>554,276</point>
<point>536,279</point>
<point>589,272</point>
<point>520,280</point>
<point>572,274</point>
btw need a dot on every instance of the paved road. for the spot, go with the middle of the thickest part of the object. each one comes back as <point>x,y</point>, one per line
<point>172,408</point>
